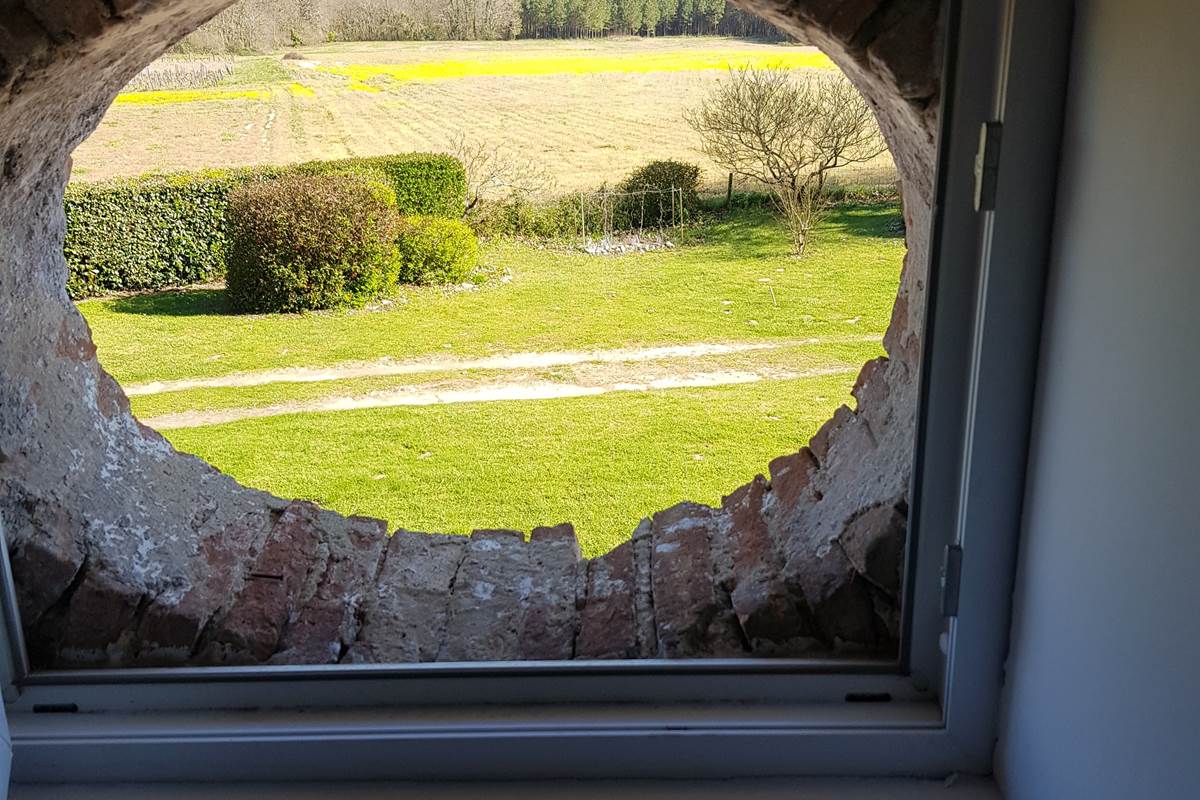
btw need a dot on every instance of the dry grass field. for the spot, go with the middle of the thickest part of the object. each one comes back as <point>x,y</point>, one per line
<point>589,110</point>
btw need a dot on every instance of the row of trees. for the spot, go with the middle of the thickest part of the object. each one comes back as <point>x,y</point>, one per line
<point>567,18</point>
<point>253,25</point>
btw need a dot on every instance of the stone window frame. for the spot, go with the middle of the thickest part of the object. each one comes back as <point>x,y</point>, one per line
<point>932,712</point>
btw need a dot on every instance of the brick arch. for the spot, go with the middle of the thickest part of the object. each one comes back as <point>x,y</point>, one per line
<point>126,552</point>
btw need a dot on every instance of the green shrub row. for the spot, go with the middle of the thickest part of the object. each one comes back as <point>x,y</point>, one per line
<point>520,216</point>
<point>430,184</point>
<point>157,231</point>
<point>146,233</point>
<point>659,193</point>
<point>643,199</point>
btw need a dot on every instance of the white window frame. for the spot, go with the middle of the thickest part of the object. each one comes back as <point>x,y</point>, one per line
<point>931,712</point>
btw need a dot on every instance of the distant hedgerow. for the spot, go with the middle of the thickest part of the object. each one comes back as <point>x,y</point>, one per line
<point>660,193</point>
<point>306,242</point>
<point>520,216</point>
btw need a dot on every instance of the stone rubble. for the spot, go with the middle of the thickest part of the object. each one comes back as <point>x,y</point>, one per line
<point>625,244</point>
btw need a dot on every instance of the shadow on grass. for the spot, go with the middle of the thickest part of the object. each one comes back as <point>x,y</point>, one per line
<point>175,303</point>
<point>880,220</point>
<point>742,233</point>
<point>757,232</point>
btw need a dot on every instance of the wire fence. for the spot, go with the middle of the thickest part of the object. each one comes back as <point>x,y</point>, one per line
<point>877,174</point>
<point>604,214</point>
<point>619,221</point>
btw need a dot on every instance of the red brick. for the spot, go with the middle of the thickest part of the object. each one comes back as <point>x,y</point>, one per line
<point>823,438</point>
<point>547,604</point>
<point>404,618</point>
<point>690,618</point>
<point>484,617</point>
<point>761,600</point>
<point>791,476</point>
<point>326,622</point>
<point>46,556</point>
<point>837,598</point>
<point>251,630</point>
<point>608,626</point>
<point>873,541</point>
<point>171,626</point>
<point>907,54</point>
<point>101,609</point>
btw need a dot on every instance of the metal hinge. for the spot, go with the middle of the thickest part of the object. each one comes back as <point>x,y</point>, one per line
<point>987,165</point>
<point>951,576</point>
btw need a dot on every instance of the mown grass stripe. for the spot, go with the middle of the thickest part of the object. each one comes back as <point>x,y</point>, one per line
<point>600,462</point>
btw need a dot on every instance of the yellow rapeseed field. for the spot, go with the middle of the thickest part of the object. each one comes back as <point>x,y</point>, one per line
<point>553,64</point>
<point>160,97</point>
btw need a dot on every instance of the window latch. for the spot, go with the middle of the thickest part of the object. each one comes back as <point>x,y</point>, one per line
<point>951,575</point>
<point>987,165</point>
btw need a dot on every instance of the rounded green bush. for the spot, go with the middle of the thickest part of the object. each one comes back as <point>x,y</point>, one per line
<point>307,242</point>
<point>435,250</point>
<point>652,202</point>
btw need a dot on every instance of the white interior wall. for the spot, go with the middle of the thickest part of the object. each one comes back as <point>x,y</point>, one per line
<point>1103,687</point>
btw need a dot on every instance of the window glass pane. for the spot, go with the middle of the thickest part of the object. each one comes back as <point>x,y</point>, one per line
<point>550,343</point>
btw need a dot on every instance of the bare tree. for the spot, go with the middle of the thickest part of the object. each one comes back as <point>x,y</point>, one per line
<point>787,132</point>
<point>494,172</point>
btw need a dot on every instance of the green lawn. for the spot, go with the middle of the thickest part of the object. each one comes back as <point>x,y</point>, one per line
<point>555,300</point>
<point>599,461</point>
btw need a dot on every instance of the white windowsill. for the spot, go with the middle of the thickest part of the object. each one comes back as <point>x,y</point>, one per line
<point>766,789</point>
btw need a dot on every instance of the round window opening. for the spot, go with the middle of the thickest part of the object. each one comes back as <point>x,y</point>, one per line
<point>672,331</point>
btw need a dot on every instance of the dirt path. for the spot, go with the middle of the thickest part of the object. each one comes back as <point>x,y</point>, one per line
<point>385,367</point>
<point>466,391</point>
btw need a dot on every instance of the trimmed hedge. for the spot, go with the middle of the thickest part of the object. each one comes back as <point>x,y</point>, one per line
<point>435,250</point>
<point>146,233</point>
<point>430,184</point>
<point>308,242</point>
<point>158,231</point>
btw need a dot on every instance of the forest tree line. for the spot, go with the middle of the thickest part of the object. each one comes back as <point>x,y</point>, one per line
<point>573,18</point>
<point>255,25</point>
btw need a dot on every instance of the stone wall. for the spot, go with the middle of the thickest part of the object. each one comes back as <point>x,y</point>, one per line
<point>126,552</point>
